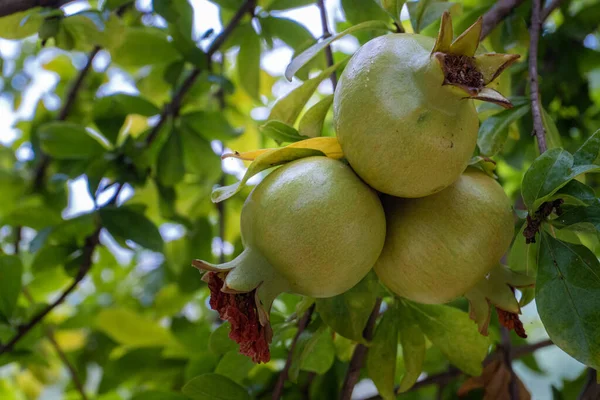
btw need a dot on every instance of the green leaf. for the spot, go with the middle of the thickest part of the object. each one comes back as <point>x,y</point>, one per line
<point>425,12</point>
<point>21,24</point>
<point>158,395</point>
<point>170,168</point>
<point>393,8</point>
<point>50,256</point>
<point>277,5</point>
<point>128,328</point>
<point>248,62</point>
<point>265,161</point>
<point>11,271</point>
<point>412,340</point>
<point>314,352</point>
<point>68,141</point>
<point>550,172</point>
<point>219,341</point>
<point>124,104</point>
<point>144,46</point>
<point>381,356</point>
<point>199,157</point>
<point>522,256</point>
<point>210,125</point>
<point>114,4</point>
<point>214,387</point>
<point>281,132</point>
<point>234,366</point>
<point>347,313</point>
<point>312,51</point>
<point>493,132</point>
<point>580,218</point>
<point>553,139</point>
<point>288,108</point>
<point>589,151</point>
<point>128,224</point>
<point>287,30</point>
<point>311,124</point>
<point>568,298</point>
<point>576,193</point>
<point>455,334</point>
<point>358,11</point>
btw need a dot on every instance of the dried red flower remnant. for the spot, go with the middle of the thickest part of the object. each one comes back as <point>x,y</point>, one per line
<point>240,310</point>
<point>511,321</point>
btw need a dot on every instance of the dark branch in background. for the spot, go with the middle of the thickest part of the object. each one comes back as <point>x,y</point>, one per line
<point>70,98</point>
<point>173,107</point>
<point>61,354</point>
<point>8,7</point>
<point>358,357</point>
<point>326,34</point>
<point>302,324</point>
<point>497,13</point>
<point>536,107</point>
<point>591,389</point>
<point>549,8</point>
<point>88,250</point>
<point>513,388</point>
<point>453,373</point>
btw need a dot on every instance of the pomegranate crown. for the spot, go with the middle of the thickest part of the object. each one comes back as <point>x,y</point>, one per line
<point>469,73</point>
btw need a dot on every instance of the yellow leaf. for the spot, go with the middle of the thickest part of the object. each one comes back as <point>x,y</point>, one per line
<point>328,145</point>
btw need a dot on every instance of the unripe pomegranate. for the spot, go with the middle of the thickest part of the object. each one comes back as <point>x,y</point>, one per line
<point>438,247</point>
<point>311,227</point>
<point>403,111</point>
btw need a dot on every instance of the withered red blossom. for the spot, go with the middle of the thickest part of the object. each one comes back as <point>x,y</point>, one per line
<point>241,312</point>
<point>511,321</point>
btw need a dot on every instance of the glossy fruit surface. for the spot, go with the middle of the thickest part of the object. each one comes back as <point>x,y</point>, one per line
<point>438,247</point>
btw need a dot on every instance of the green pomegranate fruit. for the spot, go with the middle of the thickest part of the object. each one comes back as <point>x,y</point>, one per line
<point>311,227</point>
<point>403,111</point>
<point>438,247</point>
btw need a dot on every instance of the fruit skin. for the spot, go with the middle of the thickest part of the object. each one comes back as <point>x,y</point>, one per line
<point>440,246</point>
<point>311,227</point>
<point>317,224</point>
<point>402,131</point>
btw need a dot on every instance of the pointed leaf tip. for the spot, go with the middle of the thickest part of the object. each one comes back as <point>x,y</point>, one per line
<point>445,35</point>
<point>491,65</point>
<point>492,96</point>
<point>466,44</point>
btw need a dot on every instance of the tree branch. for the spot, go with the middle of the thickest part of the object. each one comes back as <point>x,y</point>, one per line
<point>549,8</point>
<point>453,373</point>
<point>590,389</point>
<point>8,7</point>
<point>61,354</point>
<point>173,107</point>
<point>40,172</point>
<point>360,352</point>
<point>536,108</point>
<point>326,34</point>
<point>507,355</point>
<point>88,250</point>
<point>496,14</point>
<point>302,324</point>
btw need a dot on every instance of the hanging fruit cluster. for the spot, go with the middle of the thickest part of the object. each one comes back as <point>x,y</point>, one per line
<point>405,203</point>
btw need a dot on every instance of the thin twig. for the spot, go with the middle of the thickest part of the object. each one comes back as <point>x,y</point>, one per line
<point>70,98</point>
<point>590,389</point>
<point>358,357</point>
<point>326,34</point>
<point>61,354</point>
<point>554,4</point>
<point>8,7</point>
<point>88,250</point>
<point>497,13</point>
<point>507,355</point>
<point>453,373</point>
<point>536,108</point>
<point>283,375</point>
<point>174,106</point>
